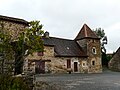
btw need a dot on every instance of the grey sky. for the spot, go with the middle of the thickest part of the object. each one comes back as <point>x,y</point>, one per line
<point>64,18</point>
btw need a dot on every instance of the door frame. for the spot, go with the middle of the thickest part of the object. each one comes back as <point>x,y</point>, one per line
<point>75,66</point>
<point>39,67</point>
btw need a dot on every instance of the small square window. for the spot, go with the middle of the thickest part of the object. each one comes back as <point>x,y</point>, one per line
<point>93,40</point>
<point>84,63</point>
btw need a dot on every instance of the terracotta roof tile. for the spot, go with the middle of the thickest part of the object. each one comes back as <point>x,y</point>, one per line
<point>86,32</point>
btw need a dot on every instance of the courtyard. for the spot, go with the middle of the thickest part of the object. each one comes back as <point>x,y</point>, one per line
<point>107,80</point>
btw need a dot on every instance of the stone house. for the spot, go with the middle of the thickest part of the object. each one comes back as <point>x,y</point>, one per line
<point>13,27</point>
<point>81,55</point>
<point>114,63</point>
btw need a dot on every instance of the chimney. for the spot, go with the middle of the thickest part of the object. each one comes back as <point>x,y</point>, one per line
<point>46,34</point>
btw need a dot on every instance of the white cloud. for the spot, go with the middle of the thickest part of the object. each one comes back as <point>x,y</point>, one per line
<point>64,18</point>
<point>113,34</point>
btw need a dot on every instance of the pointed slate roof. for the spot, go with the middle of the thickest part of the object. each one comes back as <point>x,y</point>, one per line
<point>86,32</point>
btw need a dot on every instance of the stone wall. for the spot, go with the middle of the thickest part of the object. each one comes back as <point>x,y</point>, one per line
<point>94,56</point>
<point>59,64</point>
<point>13,29</point>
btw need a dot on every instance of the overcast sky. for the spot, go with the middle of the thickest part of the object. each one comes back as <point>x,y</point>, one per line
<point>64,18</point>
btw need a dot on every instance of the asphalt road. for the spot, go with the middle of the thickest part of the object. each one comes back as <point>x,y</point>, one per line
<point>105,81</point>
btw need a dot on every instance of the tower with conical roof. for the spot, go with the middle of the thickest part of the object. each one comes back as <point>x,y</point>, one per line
<point>90,43</point>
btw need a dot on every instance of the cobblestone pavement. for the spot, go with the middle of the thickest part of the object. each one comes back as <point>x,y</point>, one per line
<point>105,81</point>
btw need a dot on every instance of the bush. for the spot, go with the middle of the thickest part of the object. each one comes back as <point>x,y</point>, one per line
<point>12,83</point>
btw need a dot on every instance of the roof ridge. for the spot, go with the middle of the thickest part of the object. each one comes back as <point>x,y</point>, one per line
<point>85,30</point>
<point>62,38</point>
<point>118,50</point>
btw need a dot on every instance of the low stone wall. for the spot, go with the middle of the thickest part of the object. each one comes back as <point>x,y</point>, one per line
<point>40,85</point>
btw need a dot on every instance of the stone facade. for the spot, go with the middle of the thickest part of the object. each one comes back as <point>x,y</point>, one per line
<point>91,63</point>
<point>11,27</point>
<point>54,64</point>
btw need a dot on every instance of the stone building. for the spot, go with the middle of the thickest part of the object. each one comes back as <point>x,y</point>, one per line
<point>13,27</point>
<point>81,55</point>
<point>114,63</point>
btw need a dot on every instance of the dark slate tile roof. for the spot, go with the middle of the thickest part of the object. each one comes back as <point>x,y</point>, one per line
<point>12,19</point>
<point>114,63</point>
<point>86,32</point>
<point>117,54</point>
<point>65,47</point>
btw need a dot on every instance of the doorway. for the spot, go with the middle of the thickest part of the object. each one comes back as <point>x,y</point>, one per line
<point>39,67</point>
<point>75,66</point>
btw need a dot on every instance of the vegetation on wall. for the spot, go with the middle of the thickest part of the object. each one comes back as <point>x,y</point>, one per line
<point>13,53</point>
<point>29,41</point>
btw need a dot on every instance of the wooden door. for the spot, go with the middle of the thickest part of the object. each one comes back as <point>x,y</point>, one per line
<point>75,67</point>
<point>39,67</point>
<point>68,63</point>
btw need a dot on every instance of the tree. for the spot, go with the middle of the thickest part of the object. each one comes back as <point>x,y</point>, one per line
<point>7,82</point>
<point>6,52</point>
<point>28,42</point>
<point>100,33</point>
<point>11,51</point>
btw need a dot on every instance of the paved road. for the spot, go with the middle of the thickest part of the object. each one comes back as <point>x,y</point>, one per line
<point>105,81</point>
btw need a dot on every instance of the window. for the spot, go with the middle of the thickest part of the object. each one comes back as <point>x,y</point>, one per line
<point>68,63</point>
<point>93,40</point>
<point>94,50</point>
<point>93,63</point>
<point>84,63</point>
<point>40,53</point>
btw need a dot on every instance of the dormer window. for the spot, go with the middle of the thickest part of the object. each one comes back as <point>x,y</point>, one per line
<point>68,48</point>
<point>94,50</point>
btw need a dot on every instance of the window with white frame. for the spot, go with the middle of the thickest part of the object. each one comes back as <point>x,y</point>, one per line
<point>94,50</point>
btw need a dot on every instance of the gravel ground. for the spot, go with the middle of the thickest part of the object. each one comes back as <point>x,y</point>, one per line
<point>104,81</point>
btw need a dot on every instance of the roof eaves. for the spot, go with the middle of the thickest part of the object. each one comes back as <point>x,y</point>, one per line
<point>69,56</point>
<point>12,19</point>
<point>49,45</point>
<point>88,38</point>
